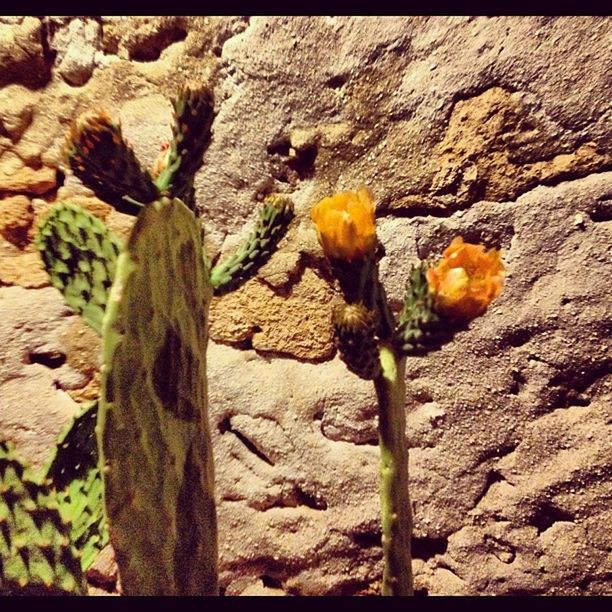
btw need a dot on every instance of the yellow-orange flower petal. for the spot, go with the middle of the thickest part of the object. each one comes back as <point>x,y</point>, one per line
<point>346,225</point>
<point>466,280</point>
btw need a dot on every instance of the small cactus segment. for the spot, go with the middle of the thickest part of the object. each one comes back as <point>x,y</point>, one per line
<point>193,117</point>
<point>420,328</point>
<point>355,336</point>
<point>100,157</point>
<point>153,433</point>
<point>79,253</point>
<point>274,218</point>
<point>73,472</point>
<point>36,556</point>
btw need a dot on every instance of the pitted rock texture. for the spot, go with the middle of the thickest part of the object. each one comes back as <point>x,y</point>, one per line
<point>506,142</point>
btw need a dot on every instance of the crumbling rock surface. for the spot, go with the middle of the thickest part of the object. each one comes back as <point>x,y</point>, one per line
<point>506,142</point>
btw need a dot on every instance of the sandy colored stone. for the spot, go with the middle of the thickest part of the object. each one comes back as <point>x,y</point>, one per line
<point>103,573</point>
<point>32,414</point>
<point>28,180</point>
<point>506,142</point>
<point>16,218</point>
<point>23,269</point>
<point>297,482</point>
<point>82,347</point>
<point>297,323</point>
<point>487,153</point>
<point>148,119</point>
<point>16,110</point>
<point>21,53</point>
<point>88,393</point>
<point>90,203</point>
<point>142,38</point>
<point>76,45</point>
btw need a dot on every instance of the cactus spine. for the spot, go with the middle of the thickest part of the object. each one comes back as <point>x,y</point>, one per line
<point>356,340</point>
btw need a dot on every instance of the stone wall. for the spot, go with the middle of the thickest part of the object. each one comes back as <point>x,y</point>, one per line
<point>494,128</point>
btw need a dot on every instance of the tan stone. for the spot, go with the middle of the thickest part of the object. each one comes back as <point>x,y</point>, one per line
<point>16,218</point>
<point>487,142</point>
<point>509,460</point>
<point>120,223</point>
<point>25,270</point>
<point>91,204</point>
<point>28,180</point>
<point>82,347</point>
<point>21,53</point>
<point>297,323</point>
<point>16,109</point>
<point>103,573</point>
<point>89,392</point>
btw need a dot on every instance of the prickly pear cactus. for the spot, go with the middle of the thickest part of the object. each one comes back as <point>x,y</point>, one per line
<point>36,555</point>
<point>79,253</point>
<point>420,328</point>
<point>153,424</point>
<point>274,218</point>
<point>193,116</point>
<point>103,160</point>
<point>355,336</point>
<point>74,474</point>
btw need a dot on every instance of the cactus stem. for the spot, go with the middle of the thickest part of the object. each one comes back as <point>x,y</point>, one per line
<point>394,497</point>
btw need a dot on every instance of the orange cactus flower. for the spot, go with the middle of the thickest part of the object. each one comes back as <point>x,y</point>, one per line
<point>345,224</point>
<point>466,280</point>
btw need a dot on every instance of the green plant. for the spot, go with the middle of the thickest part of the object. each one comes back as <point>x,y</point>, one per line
<point>438,302</point>
<point>36,555</point>
<point>149,298</point>
<point>73,472</point>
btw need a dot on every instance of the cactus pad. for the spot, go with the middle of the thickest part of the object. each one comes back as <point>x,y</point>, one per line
<point>274,218</point>
<point>36,556</point>
<point>73,472</point>
<point>193,117</point>
<point>100,157</point>
<point>355,336</point>
<point>153,424</point>
<point>80,254</point>
<point>420,328</point>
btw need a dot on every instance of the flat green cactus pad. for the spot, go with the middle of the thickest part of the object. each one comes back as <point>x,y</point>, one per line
<point>36,555</point>
<point>73,472</point>
<point>420,329</point>
<point>153,423</point>
<point>274,218</point>
<point>79,253</point>
<point>191,132</point>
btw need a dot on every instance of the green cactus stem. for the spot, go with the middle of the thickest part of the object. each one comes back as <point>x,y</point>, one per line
<point>274,219</point>
<point>36,555</point>
<point>79,253</point>
<point>355,336</point>
<point>153,433</point>
<point>100,157</point>
<point>420,329</point>
<point>396,512</point>
<point>74,474</point>
<point>193,117</point>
